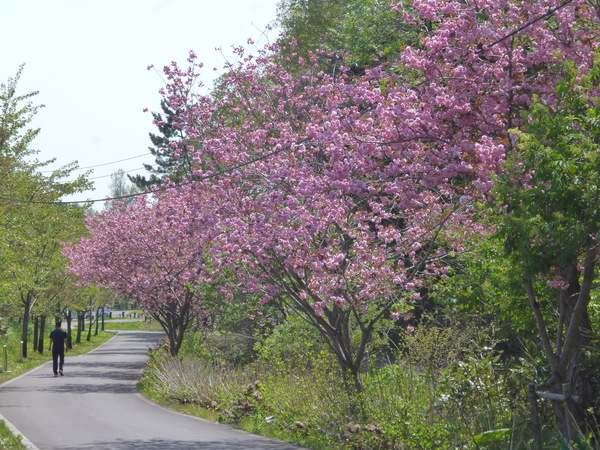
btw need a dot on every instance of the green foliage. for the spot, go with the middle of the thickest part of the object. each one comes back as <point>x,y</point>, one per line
<point>488,396</point>
<point>484,287</point>
<point>549,219</point>
<point>31,232</point>
<point>294,343</point>
<point>369,31</point>
<point>551,186</point>
<point>16,112</point>
<point>446,389</point>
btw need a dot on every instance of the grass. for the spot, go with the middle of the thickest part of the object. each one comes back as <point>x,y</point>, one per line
<point>132,326</point>
<point>437,394</point>
<point>8,440</point>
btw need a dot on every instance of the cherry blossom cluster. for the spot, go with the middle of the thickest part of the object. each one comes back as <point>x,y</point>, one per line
<point>336,193</point>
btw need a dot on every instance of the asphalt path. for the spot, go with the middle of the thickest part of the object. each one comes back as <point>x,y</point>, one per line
<point>95,406</point>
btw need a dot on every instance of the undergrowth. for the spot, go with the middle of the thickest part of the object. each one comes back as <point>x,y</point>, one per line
<point>443,388</point>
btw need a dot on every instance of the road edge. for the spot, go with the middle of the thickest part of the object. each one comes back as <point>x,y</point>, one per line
<point>15,431</point>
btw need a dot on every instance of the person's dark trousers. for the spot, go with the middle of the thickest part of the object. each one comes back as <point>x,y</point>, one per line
<point>58,360</point>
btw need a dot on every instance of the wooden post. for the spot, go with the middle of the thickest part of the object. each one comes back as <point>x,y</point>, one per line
<point>5,358</point>
<point>535,418</point>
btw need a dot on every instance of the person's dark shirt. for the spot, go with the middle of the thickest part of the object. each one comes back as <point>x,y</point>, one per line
<point>58,337</point>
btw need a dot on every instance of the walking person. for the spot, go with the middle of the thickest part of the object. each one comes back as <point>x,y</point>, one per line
<point>58,345</point>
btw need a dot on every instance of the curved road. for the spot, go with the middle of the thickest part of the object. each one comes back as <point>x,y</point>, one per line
<point>95,406</point>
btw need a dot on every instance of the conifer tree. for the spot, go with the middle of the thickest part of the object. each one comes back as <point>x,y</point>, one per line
<point>172,160</point>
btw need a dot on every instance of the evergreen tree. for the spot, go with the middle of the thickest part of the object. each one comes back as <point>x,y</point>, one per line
<point>172,159</point>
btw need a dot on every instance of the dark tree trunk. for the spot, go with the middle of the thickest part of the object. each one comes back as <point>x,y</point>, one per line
<point>25,325</point>
<point>571,415</point>
<point>36,323</point>
<point>565,356</point>
<point>69,330</point>
<point>89,335</point>
<point>175,319</point>
<point>41,334</point>
<point>80,325</point>
<point>97,321</point>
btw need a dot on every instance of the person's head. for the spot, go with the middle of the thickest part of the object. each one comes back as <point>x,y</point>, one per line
<point>58,324</point>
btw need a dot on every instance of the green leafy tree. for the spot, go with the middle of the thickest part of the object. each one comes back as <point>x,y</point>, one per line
<point>120,189</point>
<point>369,31</point>
<point>33,268</point>
<point>31,226</point>
<point>550,222</point>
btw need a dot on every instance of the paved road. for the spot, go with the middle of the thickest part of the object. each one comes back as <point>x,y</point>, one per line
<point>95,406</point>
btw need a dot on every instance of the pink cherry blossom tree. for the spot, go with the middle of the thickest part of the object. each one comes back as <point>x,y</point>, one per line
<point>344,196</point>
<point>152,251</point>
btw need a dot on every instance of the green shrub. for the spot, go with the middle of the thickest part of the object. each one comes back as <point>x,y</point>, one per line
<point>446,389</point>
<point>293,345</point>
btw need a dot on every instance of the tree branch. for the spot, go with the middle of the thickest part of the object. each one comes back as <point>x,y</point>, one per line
<point>541,324</point>
<point>574,327</point>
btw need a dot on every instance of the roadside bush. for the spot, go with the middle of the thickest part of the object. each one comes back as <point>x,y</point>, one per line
<point>447,389</point>
<point>230,349</point>
<point>190,379</point>
<point>293,346</point>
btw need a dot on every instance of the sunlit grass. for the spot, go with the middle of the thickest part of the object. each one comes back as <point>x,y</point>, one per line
<point>138,325</point>
<point>7,440</point>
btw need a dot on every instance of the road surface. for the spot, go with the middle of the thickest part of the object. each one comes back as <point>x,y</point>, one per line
<point>95,406</point>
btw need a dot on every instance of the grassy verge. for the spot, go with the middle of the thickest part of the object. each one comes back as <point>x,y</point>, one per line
<point>8,440</point>
<point>139,325</point>
<point>438,393</point>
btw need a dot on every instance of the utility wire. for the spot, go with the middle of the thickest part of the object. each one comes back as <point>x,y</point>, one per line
<point>165,188</point>
<point>109,175</point>
<point>104,164</point>
<point>267,155</point>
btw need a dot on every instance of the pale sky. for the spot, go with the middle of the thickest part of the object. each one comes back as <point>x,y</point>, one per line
<point>89,58</point>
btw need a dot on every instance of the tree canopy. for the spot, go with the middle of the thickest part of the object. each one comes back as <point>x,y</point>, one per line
<point>346,195</point>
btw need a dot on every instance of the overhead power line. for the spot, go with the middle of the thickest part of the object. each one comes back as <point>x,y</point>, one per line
<point>103,164</point>
<point>109,175</point>
<point>165,188</point>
